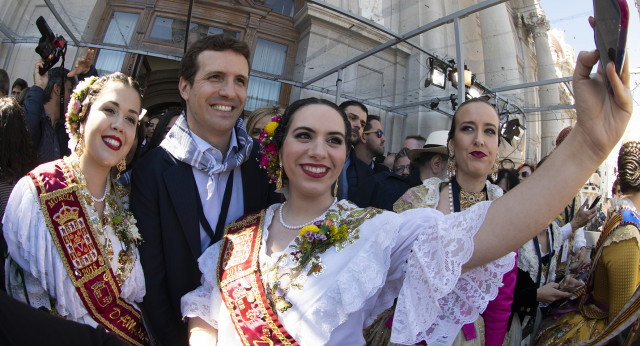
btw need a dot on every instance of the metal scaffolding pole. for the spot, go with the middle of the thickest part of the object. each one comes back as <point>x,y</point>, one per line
<point>339,86</point>
<point>444,20</point>
<point>460,60</point>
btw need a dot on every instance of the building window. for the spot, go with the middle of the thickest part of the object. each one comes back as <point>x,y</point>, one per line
<point>281,6</point>
<point>119,32</point>
<point>269,58</point>
<point>172,30</point>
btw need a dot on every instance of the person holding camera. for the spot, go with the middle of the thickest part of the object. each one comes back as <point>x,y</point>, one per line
<point>42,106</point>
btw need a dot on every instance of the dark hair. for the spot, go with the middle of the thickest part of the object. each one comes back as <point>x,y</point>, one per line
<point>218,43</point>
<point>531,167</point>
<point>97,87</point>
<point>404,152</point>
<point>452,130</point>
<point>510,176</point>
<point>4,82</point>
<point>370,118</point>
<point>348,103</point>
<point>629,167</point>
<point>23,95</point>
<point>613,187</point>
<point>20,83</point>
<point>17,155</point>
<point>159,131</point>
<point>56,76</point>
<point>425,158</point>
<point>283,127</point>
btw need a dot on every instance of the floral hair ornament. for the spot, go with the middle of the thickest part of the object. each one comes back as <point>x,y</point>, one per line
<point>75,110</point>
<point>269,153</point>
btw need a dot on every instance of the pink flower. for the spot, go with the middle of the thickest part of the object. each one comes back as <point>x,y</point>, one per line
<point>75,107</point>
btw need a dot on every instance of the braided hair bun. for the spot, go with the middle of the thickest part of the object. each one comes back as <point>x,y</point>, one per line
<point>629,167</point>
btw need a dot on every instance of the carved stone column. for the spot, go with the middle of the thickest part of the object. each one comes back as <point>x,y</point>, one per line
<point>548,94</point>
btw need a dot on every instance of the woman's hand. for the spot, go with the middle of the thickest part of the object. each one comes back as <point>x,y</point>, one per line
<point>583,216</point>
<point>570,284</point>
<point>579,261</point>
<point>549,293</point>
<point>201,333</point>
<point>602,115</point>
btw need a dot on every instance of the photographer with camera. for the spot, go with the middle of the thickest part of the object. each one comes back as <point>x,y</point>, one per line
<point>42,106</point>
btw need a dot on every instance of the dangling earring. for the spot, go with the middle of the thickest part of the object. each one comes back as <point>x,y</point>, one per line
<point>279,181</point>
<point>122,165</point>
<point>451,165</point>
<point>80,146</point>
<point>335,188</point>
<point>494,171</point>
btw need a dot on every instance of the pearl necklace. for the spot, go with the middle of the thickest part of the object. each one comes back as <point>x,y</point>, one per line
<point>319,218</point>
<point>104,195</point>
<point>451,197</point>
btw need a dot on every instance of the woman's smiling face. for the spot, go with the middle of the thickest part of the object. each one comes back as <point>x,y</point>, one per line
<point>110,127</point>
<point>314,149</point>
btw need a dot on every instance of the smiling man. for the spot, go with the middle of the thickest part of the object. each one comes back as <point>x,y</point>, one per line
<point>203,176</point>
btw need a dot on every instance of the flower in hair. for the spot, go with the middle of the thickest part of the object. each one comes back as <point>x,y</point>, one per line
<point>74,109</point>
<point>268,152</point>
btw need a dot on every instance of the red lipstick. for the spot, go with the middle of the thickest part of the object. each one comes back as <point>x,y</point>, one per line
<point>478,154</point>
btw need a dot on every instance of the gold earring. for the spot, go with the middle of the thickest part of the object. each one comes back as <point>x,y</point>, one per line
<point>122,165</point>
<point>279,181</point>
<point>80,146</point>
<point>451,165</point>
<point>494,171</point>
<point>335,188</point>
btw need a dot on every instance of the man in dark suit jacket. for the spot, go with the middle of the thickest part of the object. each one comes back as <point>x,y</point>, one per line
<point>356,174</point>
<point>203,176</point>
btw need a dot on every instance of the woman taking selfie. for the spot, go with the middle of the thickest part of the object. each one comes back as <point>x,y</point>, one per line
<point>71,238</point>
<point>473,151</point>
<point>317,271</point>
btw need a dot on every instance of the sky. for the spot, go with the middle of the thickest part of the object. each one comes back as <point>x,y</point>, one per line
<point>571,17</point>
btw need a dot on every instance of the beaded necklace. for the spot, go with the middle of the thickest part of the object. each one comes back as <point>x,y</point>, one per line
<point>463,198</point>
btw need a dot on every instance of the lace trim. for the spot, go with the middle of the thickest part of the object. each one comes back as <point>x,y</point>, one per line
<point>528,258</point>
<point>623,233</point>
<point>427,195</point>
<point>433,281</point>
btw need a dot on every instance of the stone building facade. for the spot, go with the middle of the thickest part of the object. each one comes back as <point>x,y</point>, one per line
<point>294,41</point>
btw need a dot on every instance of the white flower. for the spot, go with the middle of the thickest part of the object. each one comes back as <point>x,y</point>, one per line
<point>133,231</point>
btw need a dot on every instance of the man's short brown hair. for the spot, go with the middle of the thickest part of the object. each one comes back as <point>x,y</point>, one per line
<point>219,43</point>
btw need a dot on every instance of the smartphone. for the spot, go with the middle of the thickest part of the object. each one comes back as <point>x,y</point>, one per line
<point>595,202</point>
<point>611,25</point>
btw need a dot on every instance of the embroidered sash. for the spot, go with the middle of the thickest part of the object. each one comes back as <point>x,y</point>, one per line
<point>82,255</point>
<point>631,310</point>
<point>241,287</point>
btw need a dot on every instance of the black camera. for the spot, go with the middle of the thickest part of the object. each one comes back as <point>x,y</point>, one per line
<point>50,47</point>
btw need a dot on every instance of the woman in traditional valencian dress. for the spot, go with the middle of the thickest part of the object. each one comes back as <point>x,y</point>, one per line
<point>316,271</point>
<point>71,238</point>
<point>472,146</point>
<point>605,306</point>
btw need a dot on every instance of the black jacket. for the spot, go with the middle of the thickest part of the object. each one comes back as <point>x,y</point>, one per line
<point>164,201</point>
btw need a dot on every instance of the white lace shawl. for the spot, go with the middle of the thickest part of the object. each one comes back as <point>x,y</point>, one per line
<point>416,256</point>
<point>528,257</point>
<point>427,195</point>
<point>32,248</point>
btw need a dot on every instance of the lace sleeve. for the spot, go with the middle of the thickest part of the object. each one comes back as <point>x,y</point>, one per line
<point>32,249</point>
<point>205,301</point>
<point>433,281</point>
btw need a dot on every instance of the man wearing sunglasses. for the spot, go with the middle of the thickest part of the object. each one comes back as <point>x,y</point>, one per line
<point>371,143</point>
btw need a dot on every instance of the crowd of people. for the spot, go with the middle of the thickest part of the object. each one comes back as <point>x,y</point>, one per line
<point>188,227</point>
